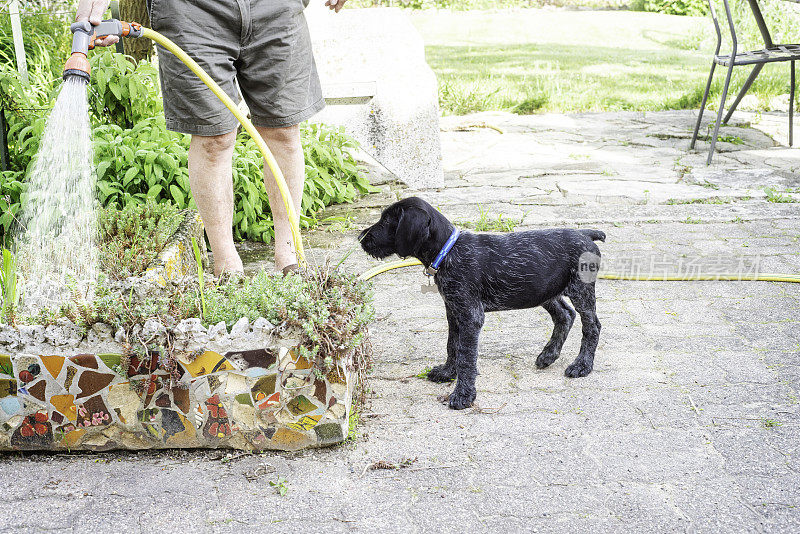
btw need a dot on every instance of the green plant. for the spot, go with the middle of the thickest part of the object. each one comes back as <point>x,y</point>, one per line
<point>24,107</point>
<point>333,175</point>
<point>707,200</point>
<point>198,258</point>
<point>424,373</point>
<point>281,486</point>
<point>11,188</point>
<point>122,92</point>
<point>732,139</point>
<point>487,224</point>
<point>140,163</point>
<point>776,197</point>
<point>132,237</point>
<point>46,37</point>
<point>770,423</point>
<point>531,105</point>
<point>675,7</point>
<point>331,308</point>
<point>352,424</point>
<point>9,296</point>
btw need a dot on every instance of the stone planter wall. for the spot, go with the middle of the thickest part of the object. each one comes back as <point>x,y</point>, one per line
<point>247,398</point>
<point>62,388</point>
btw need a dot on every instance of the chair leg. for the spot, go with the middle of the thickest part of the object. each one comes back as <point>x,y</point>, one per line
<point>719,115</point>
<point>746,87</point>
<point>702,106</point>
<point>791,108</point>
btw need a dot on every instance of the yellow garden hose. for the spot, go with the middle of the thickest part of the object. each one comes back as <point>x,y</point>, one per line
<point>294,220</point>
<point>375,271</point>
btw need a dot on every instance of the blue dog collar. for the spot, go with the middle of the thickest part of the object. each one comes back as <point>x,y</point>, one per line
<point>434,268</point>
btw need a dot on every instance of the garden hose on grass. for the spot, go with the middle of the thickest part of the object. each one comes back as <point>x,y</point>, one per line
<point>795,278</point>
<point>78,65</point>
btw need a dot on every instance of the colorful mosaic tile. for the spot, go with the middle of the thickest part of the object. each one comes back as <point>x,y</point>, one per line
<point>255,399</point>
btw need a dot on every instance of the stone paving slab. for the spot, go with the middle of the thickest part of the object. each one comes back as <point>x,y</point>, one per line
<point>689,423</point>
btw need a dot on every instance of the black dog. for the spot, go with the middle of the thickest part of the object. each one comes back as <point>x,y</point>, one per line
<point>487,272</point>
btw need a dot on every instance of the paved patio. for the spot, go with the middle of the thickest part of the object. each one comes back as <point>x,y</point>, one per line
<point>690,422</point>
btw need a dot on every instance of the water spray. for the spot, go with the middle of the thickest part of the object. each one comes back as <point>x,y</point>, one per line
<point>85,37</point>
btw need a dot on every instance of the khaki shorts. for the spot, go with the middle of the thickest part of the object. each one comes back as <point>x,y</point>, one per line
<point>263,46</point>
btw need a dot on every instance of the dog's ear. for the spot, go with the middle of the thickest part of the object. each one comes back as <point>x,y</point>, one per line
<point>413,229</point>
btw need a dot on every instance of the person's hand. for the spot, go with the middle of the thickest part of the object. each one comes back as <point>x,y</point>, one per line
<point>335,5</point>
<point>93,10</point>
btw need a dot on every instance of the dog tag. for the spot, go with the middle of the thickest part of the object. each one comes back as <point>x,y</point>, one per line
<point>429,288</point>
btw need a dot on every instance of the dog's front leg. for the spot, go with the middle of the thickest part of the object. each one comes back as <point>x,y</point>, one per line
<point>470,321</point>
<point>447,371</point>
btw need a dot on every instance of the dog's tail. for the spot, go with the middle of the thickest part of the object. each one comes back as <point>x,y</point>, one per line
<point>595,235</point>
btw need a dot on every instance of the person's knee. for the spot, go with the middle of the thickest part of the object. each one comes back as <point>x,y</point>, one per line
<point>214,146</point>
<point>286,139</point>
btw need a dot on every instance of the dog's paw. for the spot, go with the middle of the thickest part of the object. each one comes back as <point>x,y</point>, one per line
<point>460,400</point>
<point>578,369</point>
<point>442,373</point>
<point>545,359</point>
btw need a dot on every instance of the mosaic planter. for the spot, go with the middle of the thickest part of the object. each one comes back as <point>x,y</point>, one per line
<point>62,388</point>
<point>252,400</point>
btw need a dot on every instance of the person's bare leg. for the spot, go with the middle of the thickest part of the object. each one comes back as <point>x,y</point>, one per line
<point>284,143</point>
<point>210,176</point>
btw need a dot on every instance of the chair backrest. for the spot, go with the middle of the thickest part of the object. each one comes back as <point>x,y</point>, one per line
<point>754,9</point>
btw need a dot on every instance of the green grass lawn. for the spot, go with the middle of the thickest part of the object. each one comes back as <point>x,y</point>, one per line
<point>536,60</point>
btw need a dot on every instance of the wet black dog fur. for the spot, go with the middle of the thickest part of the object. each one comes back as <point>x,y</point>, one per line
<point>490,272</point>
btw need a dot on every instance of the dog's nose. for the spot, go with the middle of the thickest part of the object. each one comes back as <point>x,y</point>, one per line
<point>363,234</point>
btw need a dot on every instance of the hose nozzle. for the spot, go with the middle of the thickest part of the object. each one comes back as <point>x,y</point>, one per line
<point>84,38</point>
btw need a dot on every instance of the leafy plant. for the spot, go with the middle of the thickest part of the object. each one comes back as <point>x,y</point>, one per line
<point>777,197</point>
<point>198,258</point>
<point>132,237</point>
<point>331,308</point>
<point>352,424</point>
<point>122,92</point>
<point>674,7</point>
<point>24,107</point>
<point>333,175</point>
<point>11,188</point>
<point>531,105</point>
<point>144,162</point>
<point>46,36</point>
<point>487,224</point>
<point>281,486</point>
<point>9,295</point>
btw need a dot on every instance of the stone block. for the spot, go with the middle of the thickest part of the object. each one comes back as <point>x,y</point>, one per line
<point>378,86</point>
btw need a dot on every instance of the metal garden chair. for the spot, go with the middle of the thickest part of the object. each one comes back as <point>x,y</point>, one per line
<point>771,53</point>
